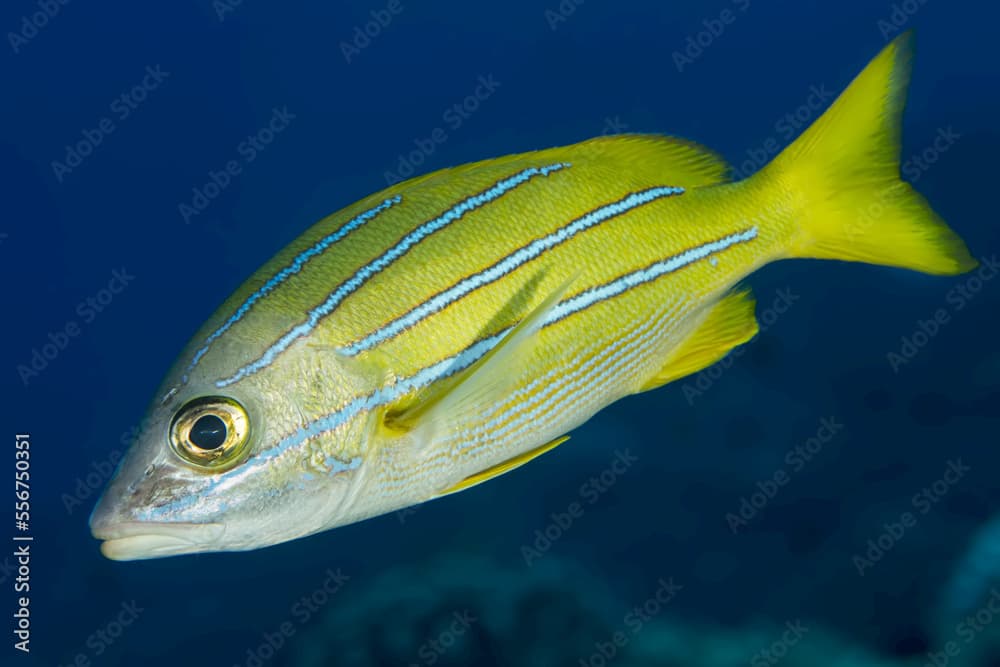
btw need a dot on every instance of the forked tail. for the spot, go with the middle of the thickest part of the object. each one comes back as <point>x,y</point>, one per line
<point>843,173</point>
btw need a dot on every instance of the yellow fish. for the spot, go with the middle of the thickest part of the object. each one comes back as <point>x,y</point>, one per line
<point>452,327</point>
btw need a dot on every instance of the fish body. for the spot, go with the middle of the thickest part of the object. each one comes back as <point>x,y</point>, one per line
<point>454,326</point>
<point>583,216</point>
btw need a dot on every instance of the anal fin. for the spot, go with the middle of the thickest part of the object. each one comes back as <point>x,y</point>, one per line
<point>501,468</point>
<point>730,322</point>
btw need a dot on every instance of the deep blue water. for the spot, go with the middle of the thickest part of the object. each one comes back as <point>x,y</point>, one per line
<point>787,582</point>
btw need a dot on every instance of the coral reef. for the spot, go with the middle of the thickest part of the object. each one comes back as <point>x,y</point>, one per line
<point>474,612</point>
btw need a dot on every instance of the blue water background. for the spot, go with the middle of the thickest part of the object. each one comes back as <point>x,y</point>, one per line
<point>609,66</point>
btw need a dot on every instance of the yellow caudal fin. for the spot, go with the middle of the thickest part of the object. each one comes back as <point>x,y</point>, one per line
<point>843,174</point>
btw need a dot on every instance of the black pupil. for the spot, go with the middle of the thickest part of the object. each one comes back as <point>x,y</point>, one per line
<point>209,432</point>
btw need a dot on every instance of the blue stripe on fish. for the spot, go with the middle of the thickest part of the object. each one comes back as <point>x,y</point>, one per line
<point>375,266</point>
<point>593,295</point>
<point>442,369</point>
<point>300,261</point>
<point>214,485</point>
<point>454,364</point>
<point>519,257</point>
<point>451,365</point>
<point>384,396</point>
<point>565,387</point>
<point>459,362</point>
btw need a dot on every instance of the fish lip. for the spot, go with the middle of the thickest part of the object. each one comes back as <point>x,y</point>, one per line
<point>137,540</point>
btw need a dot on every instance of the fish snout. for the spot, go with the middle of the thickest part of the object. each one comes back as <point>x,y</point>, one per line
<point>127,537</point>
<point>124,538</point>
<point>140,540</point>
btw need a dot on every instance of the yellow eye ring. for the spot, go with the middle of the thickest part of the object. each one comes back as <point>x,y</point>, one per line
<point>210,432</point>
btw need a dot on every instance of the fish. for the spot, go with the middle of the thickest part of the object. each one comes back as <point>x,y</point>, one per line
<point>455,326</point>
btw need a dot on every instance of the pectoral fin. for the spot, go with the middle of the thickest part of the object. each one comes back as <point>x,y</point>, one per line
<point>486,382</point>
<point>730,322</point>
<point>501,468</point>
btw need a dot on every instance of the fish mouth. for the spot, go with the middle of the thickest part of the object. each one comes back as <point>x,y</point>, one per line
<point>138,540</point>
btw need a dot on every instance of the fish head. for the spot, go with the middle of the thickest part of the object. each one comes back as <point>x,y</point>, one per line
<point>231,468</point>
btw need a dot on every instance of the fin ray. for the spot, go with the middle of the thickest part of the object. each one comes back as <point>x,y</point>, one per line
<point>484,382</point>
<point>502,468</point>
<point>844,173</point>
<point>728,323</point>
<point>682,162</point>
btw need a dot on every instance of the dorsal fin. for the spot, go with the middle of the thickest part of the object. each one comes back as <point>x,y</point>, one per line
<point>677,161</point>
<point>682,162</point>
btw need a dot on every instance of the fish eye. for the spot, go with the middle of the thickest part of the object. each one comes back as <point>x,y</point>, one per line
<point>210,432</point>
